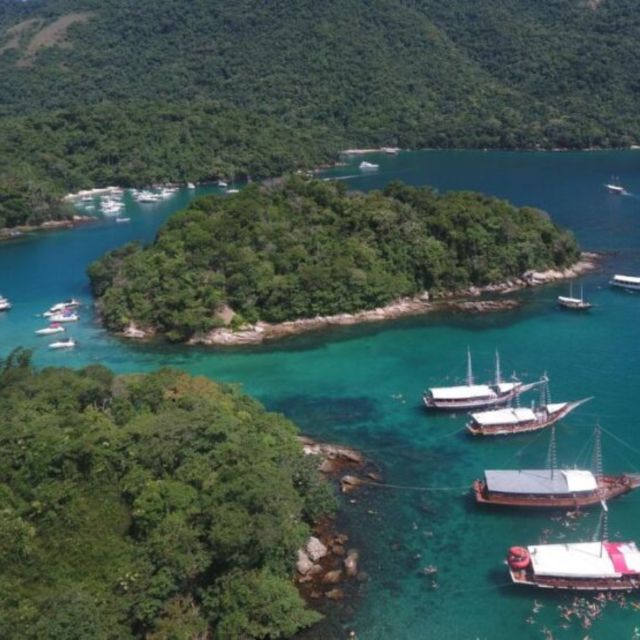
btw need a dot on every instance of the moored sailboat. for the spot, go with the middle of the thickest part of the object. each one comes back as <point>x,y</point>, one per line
<point>577,566</point>
<point>553,487</point>
<point>511,420</point>
<point>614,186</point>
<point>575,304</point>
<point>475,396</point>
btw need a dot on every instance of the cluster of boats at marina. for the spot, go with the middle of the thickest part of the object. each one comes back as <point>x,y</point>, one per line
<point>585,566</point>
<point>58,314</point>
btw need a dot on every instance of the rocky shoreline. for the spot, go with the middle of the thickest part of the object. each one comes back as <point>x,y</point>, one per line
<point>326,566</point>
<point>470,300</point>
<point>49,225</point>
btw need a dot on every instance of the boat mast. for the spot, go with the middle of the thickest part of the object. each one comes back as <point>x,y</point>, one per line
<point>597,455</point>
<point>552,455</point>
<point>469,370</point>
<point>603,525</point>
<point>545,395</point>
<point>498,372</point>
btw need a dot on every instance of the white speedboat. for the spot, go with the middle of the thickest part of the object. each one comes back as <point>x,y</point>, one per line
<point>223,184</point>
<point>232,191</point>
<point>123,220</point>
<point>5,305</point>
<point>69,343</point>
<point>368,166</point>
<point>50,330</point>
<point>190,185</point>
<point>65,316</point>
<point>61,307</point>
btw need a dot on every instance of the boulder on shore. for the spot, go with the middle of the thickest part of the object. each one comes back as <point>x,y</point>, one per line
<point>315,549</point>
<point>304,564</point>
<point>332,577</point>
<point>351,563</point>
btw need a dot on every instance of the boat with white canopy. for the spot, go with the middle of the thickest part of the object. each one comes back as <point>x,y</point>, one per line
<point>577,566</point>
<point>631,283</point>
<point>475,396</point>
<point>574,304</point>
<point>553,487</point>
<point>511,420</point>
<point>5,305</point>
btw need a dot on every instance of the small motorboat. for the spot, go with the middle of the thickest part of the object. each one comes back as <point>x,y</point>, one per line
<point>5,305</point>
<point>50,330</point>
<point>61,307</point>
<point>232,190</point>
<point>65,316</point>
<point>223,184</point>
<point>123,220</point>
<point>69,343</point>
<point>190,185</point>
<point>368,166</point>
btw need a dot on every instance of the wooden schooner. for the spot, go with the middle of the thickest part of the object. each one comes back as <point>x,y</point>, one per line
<point>553,487</point>
<point>508,421</point>
<point>475,396</point>
<point>577,566</point>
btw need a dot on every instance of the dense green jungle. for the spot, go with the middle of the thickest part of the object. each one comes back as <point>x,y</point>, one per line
<point>111,91</point>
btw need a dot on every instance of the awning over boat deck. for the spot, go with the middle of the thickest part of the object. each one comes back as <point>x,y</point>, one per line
<point>540,481</point>
<point>625,556</point>
<point>462,392</point>
<point>505,387</point>
<point>503,416</point>
<point>626,279</point>
<point>578,560</point>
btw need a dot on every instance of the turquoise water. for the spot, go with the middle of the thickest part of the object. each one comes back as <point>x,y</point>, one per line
<point>362,385</point>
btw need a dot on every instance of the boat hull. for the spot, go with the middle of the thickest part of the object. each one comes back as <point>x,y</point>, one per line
<point>622,583</point>
<point>575,306</point>
<point>609,487</point>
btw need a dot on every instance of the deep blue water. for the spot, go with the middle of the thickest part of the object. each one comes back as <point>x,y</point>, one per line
<point>362,386</point>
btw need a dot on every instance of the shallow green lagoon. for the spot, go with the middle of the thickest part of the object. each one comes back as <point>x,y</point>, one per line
<point>362,386</point>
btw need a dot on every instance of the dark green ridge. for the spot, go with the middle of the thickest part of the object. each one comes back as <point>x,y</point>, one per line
<point>100,91</point>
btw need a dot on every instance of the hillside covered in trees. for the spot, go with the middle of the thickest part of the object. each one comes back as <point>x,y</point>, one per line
<point>101,91</point>
<point>150,506</point>
<point>301,248</point>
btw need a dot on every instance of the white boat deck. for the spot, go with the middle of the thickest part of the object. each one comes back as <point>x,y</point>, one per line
<point>540,481</point>
<point>462,392</point>
<point>585,559</point>
<point>503,416</point>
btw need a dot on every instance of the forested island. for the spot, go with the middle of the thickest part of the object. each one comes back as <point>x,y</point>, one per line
<point>299,248</point>
<point>100,92</point>
<point>158,506</point>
